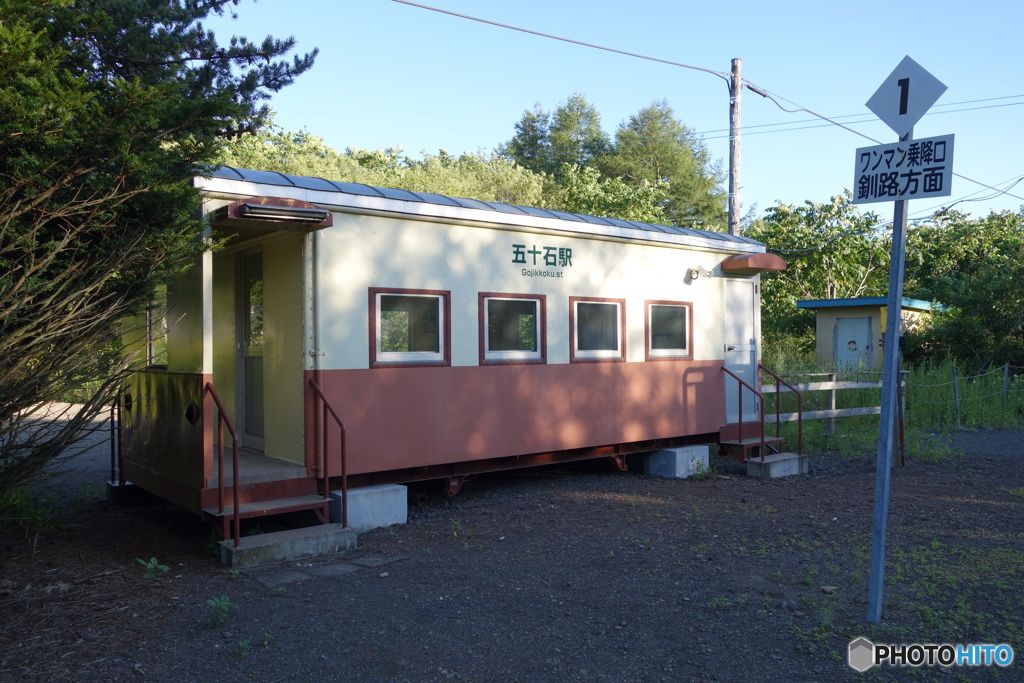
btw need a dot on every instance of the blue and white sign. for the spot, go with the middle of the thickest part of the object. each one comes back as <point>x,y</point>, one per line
<point>912,169</point>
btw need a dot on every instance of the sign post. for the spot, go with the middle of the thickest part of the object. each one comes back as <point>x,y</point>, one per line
<point>901,100</point>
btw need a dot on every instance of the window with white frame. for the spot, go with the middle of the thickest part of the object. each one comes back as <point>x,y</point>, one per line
<point>409,326</point>
<point>669,330</point>
<point>512,328</point>
<point>597,329</point>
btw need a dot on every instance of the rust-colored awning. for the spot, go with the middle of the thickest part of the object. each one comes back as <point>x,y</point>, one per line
<point>753,263</point>
<point>278,211</point>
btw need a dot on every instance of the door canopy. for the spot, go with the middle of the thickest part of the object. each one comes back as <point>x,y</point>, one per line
<point>282,212</point>
<point>751,264</point>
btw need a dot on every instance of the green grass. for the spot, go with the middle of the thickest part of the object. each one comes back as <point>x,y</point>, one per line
<point>931,407</point>
<point>20,507</point>
<point>934,593</point>
<point>958,594</point>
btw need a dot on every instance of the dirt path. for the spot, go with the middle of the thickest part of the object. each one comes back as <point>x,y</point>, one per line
<point>563,575</point>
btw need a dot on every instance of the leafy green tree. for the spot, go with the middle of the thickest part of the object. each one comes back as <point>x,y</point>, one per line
<point>544,142</point>
<point>975,267</point>
<point>110,107</point>
<point>301,153</point>
<point>832,250</point>
<point>583,190</point>
<point>576,135</point>
<point>654,147</point>
<point>520,172</point>
<point>479,176</point>
<point>530,147</point>
<point>654,153</point>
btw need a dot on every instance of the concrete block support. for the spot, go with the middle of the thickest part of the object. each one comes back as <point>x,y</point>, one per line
<point>372,507</point>
<point>677,463</point>
<point>128,492</point>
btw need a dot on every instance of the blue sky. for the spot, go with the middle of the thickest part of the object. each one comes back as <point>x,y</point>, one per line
<point>391,74</point>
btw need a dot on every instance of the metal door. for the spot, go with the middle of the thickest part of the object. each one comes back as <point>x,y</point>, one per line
<point>740,348</point>
<point>851,343</point>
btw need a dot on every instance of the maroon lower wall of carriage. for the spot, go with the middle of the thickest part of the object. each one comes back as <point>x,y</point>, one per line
<point>401,418</point>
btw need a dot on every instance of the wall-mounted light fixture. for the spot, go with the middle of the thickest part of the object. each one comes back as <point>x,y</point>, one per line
<point>697,272</point>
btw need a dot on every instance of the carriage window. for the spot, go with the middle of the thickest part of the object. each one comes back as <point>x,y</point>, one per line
<point>669,329</point>
<point>512,328</point>
<point>409,326</point>
<point>597,328</point>
<point>156,328</point>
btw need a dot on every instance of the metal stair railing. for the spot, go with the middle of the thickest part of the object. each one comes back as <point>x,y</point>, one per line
<point>222,420</point>
<point>779,382</point>
<point>739,415</point>
<point>322,449</point>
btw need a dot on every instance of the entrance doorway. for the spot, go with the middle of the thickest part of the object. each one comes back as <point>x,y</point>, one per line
<point>249,345</point>
<point>740,349</point>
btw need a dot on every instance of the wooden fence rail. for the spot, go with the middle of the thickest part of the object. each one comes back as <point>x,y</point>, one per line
<point>832,386</point>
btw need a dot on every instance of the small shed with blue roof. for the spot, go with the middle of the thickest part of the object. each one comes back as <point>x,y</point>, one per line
<point>851,332</point>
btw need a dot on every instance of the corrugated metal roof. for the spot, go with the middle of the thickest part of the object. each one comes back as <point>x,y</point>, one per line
<point>323,185</point>
<point>868,301</point>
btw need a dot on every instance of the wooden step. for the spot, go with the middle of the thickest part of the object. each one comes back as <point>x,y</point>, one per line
<point>740,448</point>
<point>269,507</point>
<point>752,441</point>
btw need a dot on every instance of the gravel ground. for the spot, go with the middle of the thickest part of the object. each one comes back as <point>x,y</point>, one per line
<point>557,574</point>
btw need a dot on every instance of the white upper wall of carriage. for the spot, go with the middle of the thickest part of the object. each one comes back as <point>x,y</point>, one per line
<point>343,202</point>
<point>381,251</point>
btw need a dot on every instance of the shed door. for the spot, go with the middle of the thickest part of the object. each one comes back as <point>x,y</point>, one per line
<point>740,348</point>
<point>851,343</point>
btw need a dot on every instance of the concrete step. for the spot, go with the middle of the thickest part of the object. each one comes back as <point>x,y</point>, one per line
<point>285,546</point>
<point>777,465</point>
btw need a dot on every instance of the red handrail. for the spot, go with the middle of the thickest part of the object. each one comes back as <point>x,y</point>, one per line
<point>778,409</point>
<point>321,450</point>
<point>739,416</point>
<point>222,419</point>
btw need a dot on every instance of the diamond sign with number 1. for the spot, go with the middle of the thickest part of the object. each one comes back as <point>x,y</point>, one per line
<point>905,96</point>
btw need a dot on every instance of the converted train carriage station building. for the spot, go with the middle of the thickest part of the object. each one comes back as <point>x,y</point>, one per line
<point>449,336</point>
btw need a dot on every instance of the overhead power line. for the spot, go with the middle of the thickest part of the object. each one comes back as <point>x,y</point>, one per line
<point>725,76</point>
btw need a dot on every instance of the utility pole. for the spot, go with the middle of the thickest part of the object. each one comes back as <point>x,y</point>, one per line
<point>735,88</point>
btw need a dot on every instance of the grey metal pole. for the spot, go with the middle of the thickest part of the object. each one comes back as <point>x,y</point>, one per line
<point>887,419</point>
<point>735,90</point>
